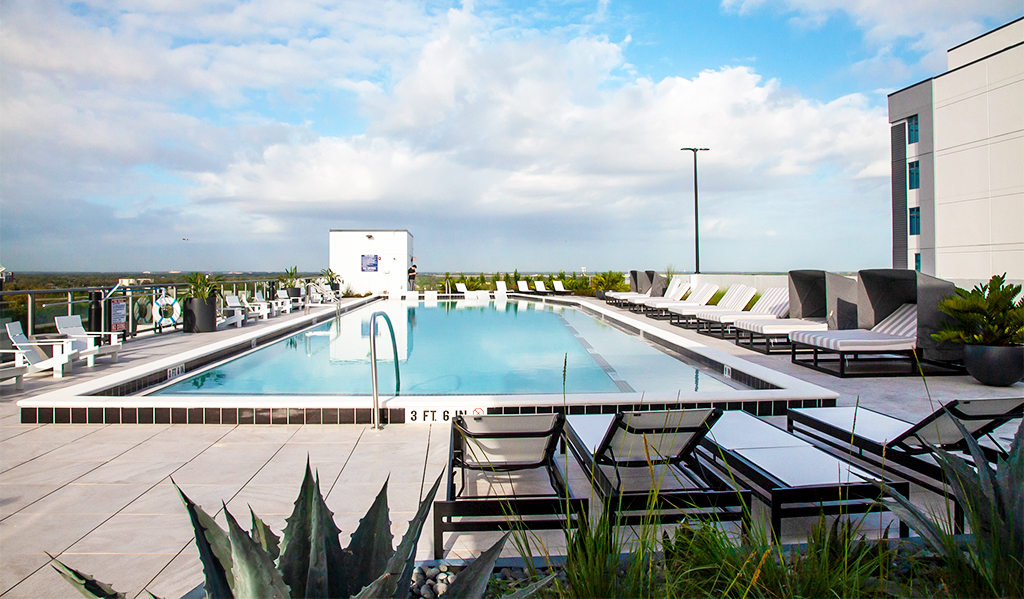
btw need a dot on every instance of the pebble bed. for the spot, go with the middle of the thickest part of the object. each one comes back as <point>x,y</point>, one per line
<point>432,582</point>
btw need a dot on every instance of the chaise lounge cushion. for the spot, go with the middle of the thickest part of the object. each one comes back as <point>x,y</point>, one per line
<point>781,326</point>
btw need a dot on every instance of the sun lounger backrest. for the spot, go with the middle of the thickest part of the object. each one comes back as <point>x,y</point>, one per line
<point>282,294</point>
<point>702,294</point>
<point>460,287</point>
<point>677,288</point>
<point>231,301</point>
<point>500,286</point>
<point>559,287</point>
<point>901,323</point>
<point>71,326</point>
<point>774,300</point>
<point>505,442</point>
<point>670,436</point>
<point>523,286</point>
<point>979,416</point>
<point>540,286</point>
<point>24,344</point>
<point>739,299</point>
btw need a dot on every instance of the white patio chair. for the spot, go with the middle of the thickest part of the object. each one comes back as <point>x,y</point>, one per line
<point>85,343</point>
<point>31,356</point>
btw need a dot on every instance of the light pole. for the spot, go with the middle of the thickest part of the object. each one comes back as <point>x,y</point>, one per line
<point>696,228</point>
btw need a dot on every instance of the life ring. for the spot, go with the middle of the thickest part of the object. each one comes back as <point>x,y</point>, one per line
<point>166,311</point>
<point>142,309</point>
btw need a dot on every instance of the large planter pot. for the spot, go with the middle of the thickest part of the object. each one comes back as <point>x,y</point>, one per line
<point>200,315</point>
<point>996,365</point>
<point>294,292</point>
<point>599,294</point>
<point>335,286</point>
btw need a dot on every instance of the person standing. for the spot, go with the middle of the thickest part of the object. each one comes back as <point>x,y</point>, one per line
<point>412,277</point>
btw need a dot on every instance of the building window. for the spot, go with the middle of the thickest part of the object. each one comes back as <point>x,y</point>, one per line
<point>915,221</point>
<point>917,262</point>
<point>914,177</point>
<point>912,130</point>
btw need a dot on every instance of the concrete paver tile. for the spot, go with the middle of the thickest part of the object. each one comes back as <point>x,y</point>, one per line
<point>180,576</point>
<point>44,471</point>
<point>86,499</point>
<point>137,533</point>
<point>127,472</point>
<point>14,497</point>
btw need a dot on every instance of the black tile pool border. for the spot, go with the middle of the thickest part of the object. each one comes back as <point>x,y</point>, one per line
<point>292,415</point>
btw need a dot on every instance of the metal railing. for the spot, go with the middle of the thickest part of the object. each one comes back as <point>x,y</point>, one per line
<point>375,416</point>
<point>36,308</point>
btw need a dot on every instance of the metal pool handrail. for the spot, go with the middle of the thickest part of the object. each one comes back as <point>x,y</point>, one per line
<point>373,364</point>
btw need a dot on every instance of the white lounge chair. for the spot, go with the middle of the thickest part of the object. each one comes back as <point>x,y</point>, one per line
<point>234,312</point>
<point>769,335</point>
<point>523,287</point>
<point>560,288</point>
<point>539,286</point>
<point>430,299</point>
<point>773,304</point>
<point>282,303</point>
<point>14,371</point>
<point>461,288</point>
<point>675,291</point>
<point>699,296</point>
<point>735,298</point>
<point>31,356</point>
<point>85,343</point>
<point>896,335</point>
<point>262,310</point>
<point>500,287</point>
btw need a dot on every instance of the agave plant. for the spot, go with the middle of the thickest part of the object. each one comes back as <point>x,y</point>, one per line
<point>307,560</point>
<point>991,562</point>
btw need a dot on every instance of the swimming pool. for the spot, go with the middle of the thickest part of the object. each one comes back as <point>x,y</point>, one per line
<point>457,348</point>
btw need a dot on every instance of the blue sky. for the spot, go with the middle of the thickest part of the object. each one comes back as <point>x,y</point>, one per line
<point>503,135</point>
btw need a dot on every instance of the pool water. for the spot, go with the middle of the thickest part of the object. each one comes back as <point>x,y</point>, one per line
<point>455,348</point>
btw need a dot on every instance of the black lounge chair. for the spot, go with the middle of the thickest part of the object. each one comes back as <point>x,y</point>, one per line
<point>629,455</point>
<point>790,475</point>
<point>489,452</point>
<point>897,447</point>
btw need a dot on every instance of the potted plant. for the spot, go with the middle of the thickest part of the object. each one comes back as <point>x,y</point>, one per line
<point>200,314</point>
<point>290,281</point>
<point>989,321</point>
<point>333,279</point>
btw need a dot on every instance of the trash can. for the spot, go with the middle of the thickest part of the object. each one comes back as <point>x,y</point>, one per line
<point>96,311</point>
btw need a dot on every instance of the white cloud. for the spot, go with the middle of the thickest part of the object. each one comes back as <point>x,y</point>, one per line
<point>500,147</point>
<point>930,27</point>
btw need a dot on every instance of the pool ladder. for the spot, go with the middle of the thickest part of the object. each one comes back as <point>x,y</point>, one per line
<point>375,416</point>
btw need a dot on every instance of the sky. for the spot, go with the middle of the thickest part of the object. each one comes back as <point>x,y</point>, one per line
<point>540,136</point>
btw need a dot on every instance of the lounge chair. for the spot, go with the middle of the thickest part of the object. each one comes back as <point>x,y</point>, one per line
<point>894,446</point>
<point>700,295</point>
<point>772,335</point>
<point>560,288</point>
<point>735,298</point>
<point>523,287</point>
<point>629,455</point>
<point>541,289</point>
<point>461,288</point>
<point>500,287</point>
<point>675,291</point>
<point>86,343</point>
<point>494,456</point>
<point>894,338</point>
<point>283,303</point>
<point>790,475</point>
<point>31,356</point>
<point>234,312</point>
<point>14,371</point>
<point>262,310</point>
<point>772,305</point>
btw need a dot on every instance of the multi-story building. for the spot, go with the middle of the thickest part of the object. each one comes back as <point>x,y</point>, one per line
<point>958,163</point>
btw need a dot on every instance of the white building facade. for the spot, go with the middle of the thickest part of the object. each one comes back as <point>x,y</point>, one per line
<point>958,163</point>
<point>371,261</point>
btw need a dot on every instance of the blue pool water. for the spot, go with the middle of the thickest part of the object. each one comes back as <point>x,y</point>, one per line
<point>456,348</point>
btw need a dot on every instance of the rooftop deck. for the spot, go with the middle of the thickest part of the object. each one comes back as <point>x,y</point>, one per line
<point>100,495</point>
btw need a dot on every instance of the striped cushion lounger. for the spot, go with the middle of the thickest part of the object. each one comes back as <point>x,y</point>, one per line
<point>675,291</point>
<point>773,304</point>
<point>767,336</point>
<point>892,338</point>
<point>735,298</point>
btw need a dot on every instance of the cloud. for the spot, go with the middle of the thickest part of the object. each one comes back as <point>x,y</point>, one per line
<point>927,27</point>
<point>499,146</point>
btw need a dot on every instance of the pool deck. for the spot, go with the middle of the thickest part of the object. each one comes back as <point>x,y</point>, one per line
<point>100,497</point>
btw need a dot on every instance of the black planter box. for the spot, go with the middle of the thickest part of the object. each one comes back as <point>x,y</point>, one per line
<point>200,315</point>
